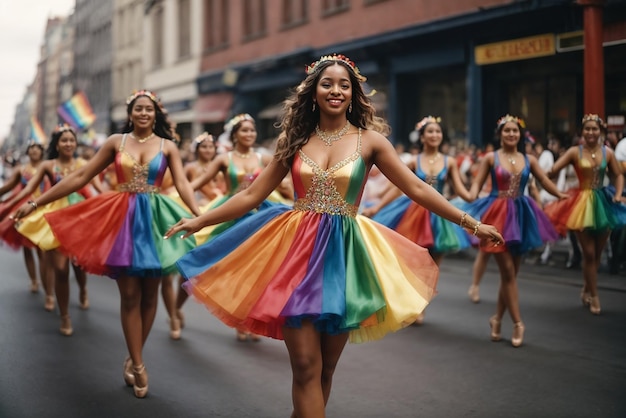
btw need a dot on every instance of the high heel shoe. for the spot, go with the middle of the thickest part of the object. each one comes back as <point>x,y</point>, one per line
<point>420,319</point>
<point>49,304</point>
<point>141,376</point>
<point>474,293</point>
<point>175,329</point>
<point>585,297</point>
<point>129,377</point>
<point>66,326</point>
<point>242,336</point>
<point>495,325</point>
<point>518,334</point>
<point>594,305</point>
<point>84,300</point>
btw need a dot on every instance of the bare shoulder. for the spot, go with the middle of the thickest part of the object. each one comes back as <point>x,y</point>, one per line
<point>373,142</point>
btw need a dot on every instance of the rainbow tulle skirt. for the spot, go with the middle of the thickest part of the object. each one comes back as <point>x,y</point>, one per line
<point>422,227</point>
<point>523,225</point>
<point>281,266</point>
<point>590,209</point>
<point>120,233</point>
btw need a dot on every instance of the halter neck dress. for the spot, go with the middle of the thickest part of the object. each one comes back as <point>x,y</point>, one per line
<point>590,206</point>
<point>419,224</point>
<point>121,232</point>
<point>35,226</point>
<point>318,261</point>
<point>523,225</point>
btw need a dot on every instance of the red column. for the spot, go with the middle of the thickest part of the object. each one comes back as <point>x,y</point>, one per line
<point>593,57</point>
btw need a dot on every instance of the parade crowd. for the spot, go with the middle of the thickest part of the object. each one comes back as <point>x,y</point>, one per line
<point>330,234</point>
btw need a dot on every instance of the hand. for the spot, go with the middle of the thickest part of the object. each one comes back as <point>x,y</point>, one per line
<point>22,211</point>
<point>190,226</point>
<point>489,233</point>
<point>617,199</point>
<point>369,212</point>
<point>563,196</point>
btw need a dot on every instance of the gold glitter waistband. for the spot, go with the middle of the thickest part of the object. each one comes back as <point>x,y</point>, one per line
<point>137,188</point>
<point>335,208</point>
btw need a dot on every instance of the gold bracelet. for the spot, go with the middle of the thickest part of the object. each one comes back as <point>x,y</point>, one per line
<point>463,216</point>
<point>476,227</point>
<point>32,203</point>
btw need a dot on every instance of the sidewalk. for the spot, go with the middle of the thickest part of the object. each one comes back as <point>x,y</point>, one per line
<point>532,269</point>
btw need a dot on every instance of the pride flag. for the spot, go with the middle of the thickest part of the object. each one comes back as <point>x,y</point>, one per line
<point>37,133</point>
<point>77,111</point>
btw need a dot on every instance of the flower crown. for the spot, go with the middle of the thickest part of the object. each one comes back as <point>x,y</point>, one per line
<point>204,136</point>
<point>137,93</point>
<point>509,118</point>
<point>593,117</point>
<point>236,120</point>
<point>310,69</point>
<point>64,127</point>
<point>427,120</point>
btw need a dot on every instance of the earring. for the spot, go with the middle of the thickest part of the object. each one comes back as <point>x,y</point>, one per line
<point>350,108</point>
<point>313,110</point>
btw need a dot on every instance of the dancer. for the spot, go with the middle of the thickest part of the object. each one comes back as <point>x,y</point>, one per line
<point>124,240</point>
<point>591,211</point>
<point>318,273</point>
<point>59,165</point>
<point>523,223</point>
<point>16,183</point>
<point>414,221</point>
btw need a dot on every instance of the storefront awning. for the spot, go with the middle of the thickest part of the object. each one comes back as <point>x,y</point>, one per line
<point>213,107</point>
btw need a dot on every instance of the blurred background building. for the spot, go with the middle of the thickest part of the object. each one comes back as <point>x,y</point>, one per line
<point>468,61</point>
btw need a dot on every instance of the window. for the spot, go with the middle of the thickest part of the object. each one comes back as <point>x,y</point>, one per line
<point>295,12</point>
<point>254,21</point>
<point>331,7</point>
<point>216,29</point>
<point>184,28</point>
<point>157,37</point>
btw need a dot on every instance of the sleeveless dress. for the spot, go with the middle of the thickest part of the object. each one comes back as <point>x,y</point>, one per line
<point>590,207</point>
<point>8,234</point>
<point>521,222</point>
<point>35,226</point>
<point>317,261</point>
<point>420,225</point>
<point>238,180</point>
<point>121,232</point>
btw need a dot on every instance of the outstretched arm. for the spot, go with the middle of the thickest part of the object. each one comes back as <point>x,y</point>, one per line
<point>13,181</point>
<point>543,179</point>
<point>238,205</point>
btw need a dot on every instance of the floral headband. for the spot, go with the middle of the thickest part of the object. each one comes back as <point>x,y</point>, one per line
<point>427,120</point>
<point>64,127</point>
<point>204,136</point>
<point>310,69</point>
<point>236,120</point>
<point>592,117</point>
<point>509,118</point>
<point>138,93</point>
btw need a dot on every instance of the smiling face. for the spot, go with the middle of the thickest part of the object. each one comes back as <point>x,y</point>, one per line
<point>510,135</point>
<point>333,93</point>
<point>67,144</point>
<point>246,134</point>
<point>206,150</point>
<point>35,153</point>
<point>143,113</point>
<point>591,133</point>
<point>432,135</point>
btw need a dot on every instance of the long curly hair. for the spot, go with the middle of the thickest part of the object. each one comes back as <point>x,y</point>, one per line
<point>52,152</point>
<point>162,127</point>
<point>299,120</point>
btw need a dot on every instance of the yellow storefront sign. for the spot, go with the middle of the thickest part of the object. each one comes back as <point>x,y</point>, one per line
<point>515,49</point>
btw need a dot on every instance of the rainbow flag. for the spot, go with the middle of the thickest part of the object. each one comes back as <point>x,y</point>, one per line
<point>37,133</point>
<point>77,111</point>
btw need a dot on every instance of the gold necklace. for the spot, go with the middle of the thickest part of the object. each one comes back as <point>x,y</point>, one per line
<point>593,153</point>
<point>329,138</point>
<point>244,156</point>
<point>431,160</point>
<point>510,157</point>
<point>142,140</point>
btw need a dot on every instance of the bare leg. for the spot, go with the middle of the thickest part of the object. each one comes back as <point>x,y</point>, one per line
<point>47,277</point>
<point>508,294</point>
<point>591,247</point>
<point>478,271</point>
<point>81,279</point>
<point>313,357</point>
<point>31,269</point>
<point>181,298</point>
<point>62,289</point>
<point>169,300</point>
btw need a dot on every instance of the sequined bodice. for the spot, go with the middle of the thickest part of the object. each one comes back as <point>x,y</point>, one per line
<point>336,190</point>
<point>135,177</point>
<point>507,184</point>
<point>590,176</point>
<point>240,179</point>
<point>438,181</point>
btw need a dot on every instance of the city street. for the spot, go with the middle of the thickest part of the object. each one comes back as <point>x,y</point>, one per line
<point>572,364</point>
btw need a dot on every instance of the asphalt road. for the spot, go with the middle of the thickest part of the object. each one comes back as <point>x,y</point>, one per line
<point>572,364</point>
